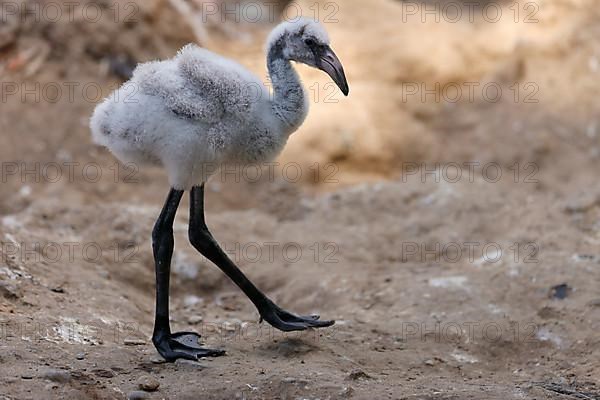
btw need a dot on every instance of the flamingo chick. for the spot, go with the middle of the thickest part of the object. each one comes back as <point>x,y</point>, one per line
<point>200,109</point>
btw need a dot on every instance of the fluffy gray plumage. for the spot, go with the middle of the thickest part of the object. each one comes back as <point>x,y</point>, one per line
<point>199,110</point>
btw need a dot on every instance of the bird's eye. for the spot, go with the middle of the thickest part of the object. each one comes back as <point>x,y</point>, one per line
<point>309,42</point>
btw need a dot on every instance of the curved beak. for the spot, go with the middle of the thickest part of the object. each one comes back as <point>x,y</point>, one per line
<point>331,64</point>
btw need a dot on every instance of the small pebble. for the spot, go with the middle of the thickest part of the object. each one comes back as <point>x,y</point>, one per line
<point>195,319</point>
<point>191,300</point>
<point>230,327</point>
<point>9,290</point>
<point>594,303</point>
<point>57,375</point>
<point>358,374</point>
<point>290,379</point>
<point>148,383</point>
<point>137,395</point>
<point>134,342</point>
<point>560,291</point>
<point>103,373</point>
<point>80,356</point>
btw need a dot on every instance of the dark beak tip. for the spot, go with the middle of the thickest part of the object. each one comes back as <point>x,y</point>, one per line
<point>344,88</point>
<point>331,64</point>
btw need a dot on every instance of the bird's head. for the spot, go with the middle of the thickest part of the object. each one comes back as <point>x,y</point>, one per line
<point>305,40</point>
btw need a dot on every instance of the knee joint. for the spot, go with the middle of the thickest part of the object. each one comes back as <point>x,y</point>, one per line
<point>199,238</point>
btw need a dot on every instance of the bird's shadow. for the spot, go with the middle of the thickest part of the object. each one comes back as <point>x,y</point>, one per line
<point>288,348</point>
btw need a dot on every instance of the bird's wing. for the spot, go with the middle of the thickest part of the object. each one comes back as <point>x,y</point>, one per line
<point>200,85</point>
<point>163,79</point>
<point>235,88</point>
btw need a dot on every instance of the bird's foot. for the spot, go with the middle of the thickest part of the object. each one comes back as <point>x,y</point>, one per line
<point>182,345</point>
<point>286,321</point>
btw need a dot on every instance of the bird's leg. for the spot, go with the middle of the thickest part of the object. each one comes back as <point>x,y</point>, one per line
<point>182,344</point>
<point>204,242</point>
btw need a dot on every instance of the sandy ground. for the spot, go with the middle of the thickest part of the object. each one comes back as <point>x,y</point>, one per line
<point>478,280</point>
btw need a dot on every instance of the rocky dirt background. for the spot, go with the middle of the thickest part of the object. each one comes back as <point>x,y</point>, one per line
<point>453,234</point>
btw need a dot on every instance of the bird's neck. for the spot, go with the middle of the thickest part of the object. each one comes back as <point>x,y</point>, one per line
<point>289,101</point>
